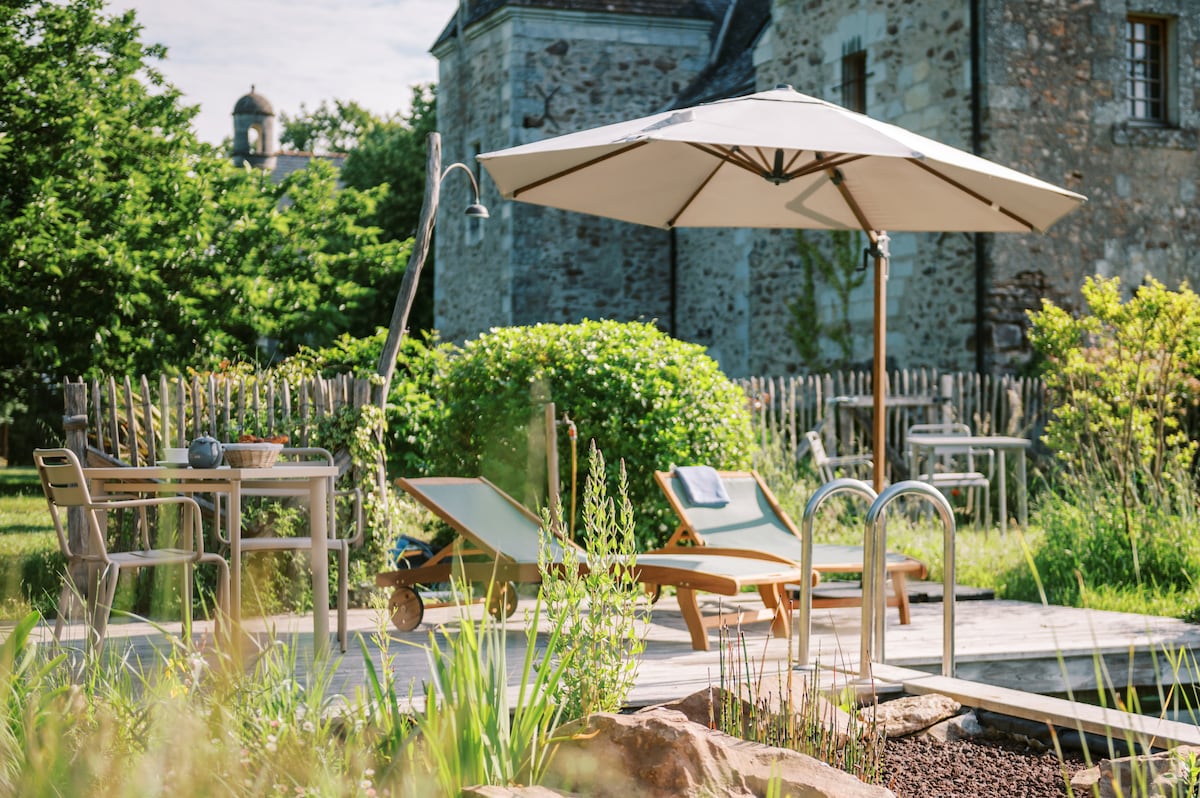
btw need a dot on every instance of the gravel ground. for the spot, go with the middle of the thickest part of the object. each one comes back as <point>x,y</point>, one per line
<point>923,768</point>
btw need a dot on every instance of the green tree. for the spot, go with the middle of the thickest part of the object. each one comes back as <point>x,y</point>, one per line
<point>90,193</point>
<point>336,128</point>
<point>392,154</point>
<point>126,245</point>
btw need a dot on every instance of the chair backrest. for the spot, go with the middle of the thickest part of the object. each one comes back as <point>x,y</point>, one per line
<point>485,515</point>
<point>820,457</point>
<point>751,520</point>
<point>947,453</point>
<point>64,485</point>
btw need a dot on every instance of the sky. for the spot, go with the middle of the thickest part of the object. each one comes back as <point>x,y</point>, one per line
<point>292,52</point>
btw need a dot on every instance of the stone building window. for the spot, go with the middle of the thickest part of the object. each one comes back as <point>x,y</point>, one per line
<point>854,76</point>
<point>1147,48</point>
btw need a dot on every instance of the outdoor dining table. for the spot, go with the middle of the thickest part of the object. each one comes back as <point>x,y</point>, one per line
<point>232,482</point>
<point>930,445</point>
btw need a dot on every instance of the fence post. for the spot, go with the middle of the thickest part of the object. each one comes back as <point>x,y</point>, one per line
<point>75,425</point>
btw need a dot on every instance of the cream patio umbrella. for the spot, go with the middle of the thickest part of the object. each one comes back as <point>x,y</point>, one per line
<point>780,159</point>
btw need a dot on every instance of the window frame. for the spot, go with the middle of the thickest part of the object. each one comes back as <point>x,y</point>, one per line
<point>1145,71</point>
<point>854,79</point>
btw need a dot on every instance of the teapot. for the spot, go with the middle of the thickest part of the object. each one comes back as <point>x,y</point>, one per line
<point>204,452</point>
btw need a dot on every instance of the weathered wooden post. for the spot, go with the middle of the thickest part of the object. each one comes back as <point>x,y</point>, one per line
<point>75,424</point>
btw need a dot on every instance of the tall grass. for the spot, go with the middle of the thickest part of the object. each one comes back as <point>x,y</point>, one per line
<point>805,720</point>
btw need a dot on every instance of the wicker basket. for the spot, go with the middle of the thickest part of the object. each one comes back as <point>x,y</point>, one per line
<point>251,455</point>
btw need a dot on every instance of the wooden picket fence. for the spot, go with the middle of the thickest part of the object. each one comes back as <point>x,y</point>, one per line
<point>131,421</point>
<point>838,404</point>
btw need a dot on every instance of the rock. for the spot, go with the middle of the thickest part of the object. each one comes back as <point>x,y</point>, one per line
<point>910,714</point>
<point>708,707</point>
<point>1167,775</point>
<point>659,752</point>
<point>959,727</point>
<point>492,791</point>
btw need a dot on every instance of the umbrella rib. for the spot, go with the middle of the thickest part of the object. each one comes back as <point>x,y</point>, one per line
<point>699,188</point>
<point>973,194</point>
<point>733,155</point>
<point>825,165</point>
<point>576,168</point>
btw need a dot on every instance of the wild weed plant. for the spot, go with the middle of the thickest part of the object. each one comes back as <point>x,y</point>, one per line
<point>594,596</point>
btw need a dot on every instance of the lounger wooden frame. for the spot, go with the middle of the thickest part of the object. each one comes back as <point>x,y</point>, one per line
<point>899,567</point>
<point>481,556</point>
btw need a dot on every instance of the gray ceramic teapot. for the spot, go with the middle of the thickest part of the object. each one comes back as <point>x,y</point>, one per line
<point>204,452</point>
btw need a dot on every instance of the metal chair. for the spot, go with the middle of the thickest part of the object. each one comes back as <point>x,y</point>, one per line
<point>65,488</point>
<point>827,467</point>
<point>957,466</point>
<point>335,543</point>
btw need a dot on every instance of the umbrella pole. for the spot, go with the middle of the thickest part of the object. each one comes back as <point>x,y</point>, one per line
<point>874,601</point>
<point>879,249</point>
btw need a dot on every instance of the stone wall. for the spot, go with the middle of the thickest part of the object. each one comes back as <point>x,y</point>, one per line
<point>917,68</point>
<point>1055,72</point>
<point>526,74</point>
<point>1051,104</point>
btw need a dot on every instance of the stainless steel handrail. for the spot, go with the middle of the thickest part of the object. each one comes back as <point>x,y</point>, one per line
<point>873,603</point>
<point>829,489</point>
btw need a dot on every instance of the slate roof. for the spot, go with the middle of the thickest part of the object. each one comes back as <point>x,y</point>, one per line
<point>730,74</point>
<point>685,9</point>
<point>287,162</point>
<point>253,103</point>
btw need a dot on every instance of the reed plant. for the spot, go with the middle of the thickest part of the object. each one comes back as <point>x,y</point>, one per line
<point>469,731</point>
<point>800,717</point>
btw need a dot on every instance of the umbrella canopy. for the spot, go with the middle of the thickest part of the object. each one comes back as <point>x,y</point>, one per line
<point>780,159</point>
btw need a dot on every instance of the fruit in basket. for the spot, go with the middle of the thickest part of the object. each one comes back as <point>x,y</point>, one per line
<point>280,439</point>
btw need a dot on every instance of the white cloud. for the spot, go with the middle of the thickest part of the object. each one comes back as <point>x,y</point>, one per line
<point>292,51</point>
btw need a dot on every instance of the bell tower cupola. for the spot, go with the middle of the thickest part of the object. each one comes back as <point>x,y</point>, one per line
<point>254,131</point>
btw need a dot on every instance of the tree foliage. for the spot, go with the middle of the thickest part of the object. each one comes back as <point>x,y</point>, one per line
<point>339,127</point>
<point>1122,377</point>
<point>127,245</point>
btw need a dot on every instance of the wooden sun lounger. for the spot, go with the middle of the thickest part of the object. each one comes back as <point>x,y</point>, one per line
<point>753,520</point>
<point>500,541</point>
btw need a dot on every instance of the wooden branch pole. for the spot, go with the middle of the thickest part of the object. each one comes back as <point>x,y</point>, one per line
<point>75,424</point>
<point>412,272</point>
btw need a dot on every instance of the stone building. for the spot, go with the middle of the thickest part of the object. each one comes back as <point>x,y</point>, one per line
<point>255,141</point>
<point>1099,96</point>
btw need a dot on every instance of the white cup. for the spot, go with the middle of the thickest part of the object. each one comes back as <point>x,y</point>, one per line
<point>174,455</point>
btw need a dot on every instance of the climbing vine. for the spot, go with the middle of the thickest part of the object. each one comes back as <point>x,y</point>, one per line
<point>840,271</point>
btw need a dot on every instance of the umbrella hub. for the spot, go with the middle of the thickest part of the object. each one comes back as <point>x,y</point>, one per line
<point>778,175</point>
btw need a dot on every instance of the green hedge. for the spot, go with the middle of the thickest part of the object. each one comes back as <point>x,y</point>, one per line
<point>642,396</point>
<point>31,570</point>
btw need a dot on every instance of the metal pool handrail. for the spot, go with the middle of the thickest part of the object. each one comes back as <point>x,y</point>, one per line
<point>873,602</point>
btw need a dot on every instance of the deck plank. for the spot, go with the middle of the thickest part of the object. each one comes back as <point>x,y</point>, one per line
<point>1009,648</point>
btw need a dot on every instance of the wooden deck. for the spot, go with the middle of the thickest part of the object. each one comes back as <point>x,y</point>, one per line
<point>1006,652</point>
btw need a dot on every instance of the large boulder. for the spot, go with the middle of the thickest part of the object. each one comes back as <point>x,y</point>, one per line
<point>661,753</point>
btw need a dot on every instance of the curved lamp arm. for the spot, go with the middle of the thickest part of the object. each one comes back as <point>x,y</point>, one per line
<point>434,175</point>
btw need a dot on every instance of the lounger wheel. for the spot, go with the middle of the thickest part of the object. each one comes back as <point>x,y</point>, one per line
<point>653,593</point>
<point>407,608</point>
<point>502,601</point>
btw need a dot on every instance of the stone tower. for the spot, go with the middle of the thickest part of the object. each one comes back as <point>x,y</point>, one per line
<point>254,131</point>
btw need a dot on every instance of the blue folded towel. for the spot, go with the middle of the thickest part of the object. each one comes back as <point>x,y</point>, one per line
<point>702,485</point>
